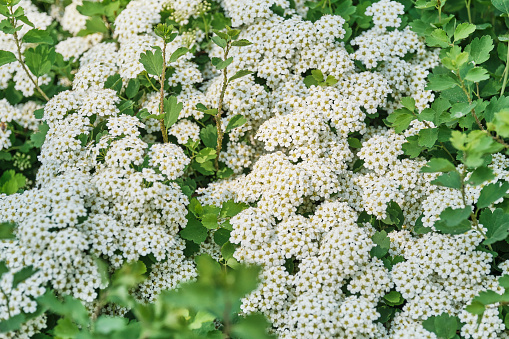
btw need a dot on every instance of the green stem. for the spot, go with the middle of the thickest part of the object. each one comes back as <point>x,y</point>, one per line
<point>467,3</point>
<point>217,117</point>
<point>441,143</point>
<point>473,216</point>
<point>161,97</point>
<point>506,71</point>
<point>20,59</point>
<point>6,302</point>
<point>476,118</point>
<point>226,321</point>
<point>150,82</point>
<point>206,26</point>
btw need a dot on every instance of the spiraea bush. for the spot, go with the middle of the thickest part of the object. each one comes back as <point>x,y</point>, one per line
<point>254,169</point>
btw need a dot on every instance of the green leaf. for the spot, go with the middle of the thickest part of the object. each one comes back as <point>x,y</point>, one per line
<point>66,329</point>
<point>461,109</point>
<point>317,74</point>
<point>70,307</point>
<point>227,250</point>
<point>437,113</point>
<point>411,147</point>
<point>224,173</point>
<point>454,221</point>
<point>500,123</point>
<point>438,38</point>
<point>419,227</point>
<point>208,136</point>
<point>178,53</point>
<point>222,35</point>
<point>440,82</point>
<point>114,82</point>
<point>212,111</point>
<point>241,43</point>
<point>40,59</point>
<point>386,313</point>
<point>11,182</point>
<point>501,5</point>
<point>39,113</point>
<point>463,30</point>
<point>231,208</point>
<point>488,297</point>
<point>6,57</point>
<point>504,281</point>
<point>4,155</point>
<point>480,175</point>
<point>239,75</point>
<point>252,326</point>
<point>409,103</point>
<point>400,119</point>
<point>444,325</point>
<point>210,221</point>
<point>37,36</point>
<point>451,179</point>
<point>480,48</point>
<point>476,308</point>
<point>126,107</point>
<point>93,25</point>
<point>491,193</point>
<point>153,61</point>
<point>477,74</point>
<point>219,41</point>
<point>195,207</point>
<point>201,318</point>
<point>133,86</point>
<point>205,154</point>
<point>13,323</point>
<point>221,236</point>
<point>438,165</point>
<point>394,298</point>
<point>383,243</point>
<point>172,110</point>
<point>497,223</point>
<point>310,81</point>
<point>201,107</point>
<point>428,137</point>
<point>39,136</point>
<point>106,324</point>
<point>354,143</point>
<point>6,232</point>
<point>206,168</point>
<point>91,8</point>
<point>130,274</point>
<point>22,275</point>
<point>330,81</point>
<point>236,121</point>
<point>220,63</point>
<point>394,214</point>
<point>496,105</point>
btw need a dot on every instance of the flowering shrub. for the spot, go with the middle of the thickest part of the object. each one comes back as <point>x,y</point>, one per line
<point>253,169</point>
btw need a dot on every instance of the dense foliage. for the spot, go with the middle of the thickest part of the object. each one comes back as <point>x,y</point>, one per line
<point>254,169</point>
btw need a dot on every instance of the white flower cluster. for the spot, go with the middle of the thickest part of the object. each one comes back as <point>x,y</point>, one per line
<point>306,197</point>
<point>92,197</point>
<point>106,187</point>
<point>182,10</point>
<point>379,46</point>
